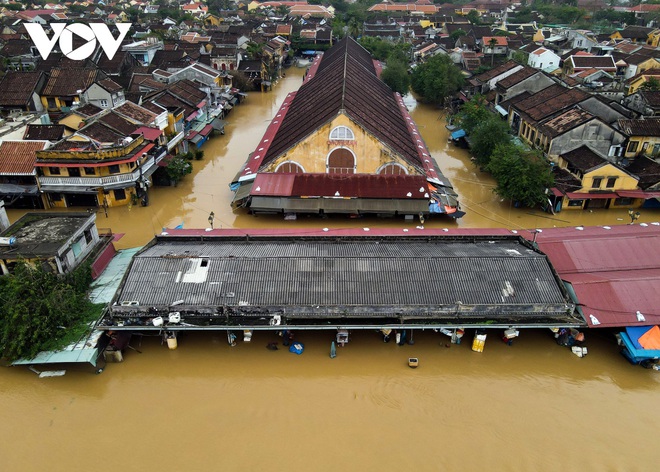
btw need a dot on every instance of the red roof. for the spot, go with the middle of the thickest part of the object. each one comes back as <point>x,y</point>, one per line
<point>614,272</point>
<point>206,130</point>
<point>150,134</point>
<point>19,157</point>
<point>340,185</point>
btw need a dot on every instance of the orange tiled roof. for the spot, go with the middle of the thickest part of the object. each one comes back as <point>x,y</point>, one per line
<point>19,157</point>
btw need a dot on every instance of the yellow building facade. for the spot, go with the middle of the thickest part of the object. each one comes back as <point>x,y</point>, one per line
<point>341,140</point>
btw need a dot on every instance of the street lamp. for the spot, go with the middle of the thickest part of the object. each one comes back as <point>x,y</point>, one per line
<point>634,215</point>
<point>211,218</point>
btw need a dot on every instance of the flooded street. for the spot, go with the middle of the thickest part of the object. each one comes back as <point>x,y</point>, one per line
<point>532,406</point>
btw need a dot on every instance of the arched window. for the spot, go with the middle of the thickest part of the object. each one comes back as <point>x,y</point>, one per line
<point>341,161</point>
<point>342,133</point>
<point>224,66</point>
<point>215,65</point>
<point>289,167</point>
<point>393,168</point>
<point>231,66</point>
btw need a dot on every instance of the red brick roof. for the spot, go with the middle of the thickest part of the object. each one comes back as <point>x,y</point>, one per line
<point>18,157</point>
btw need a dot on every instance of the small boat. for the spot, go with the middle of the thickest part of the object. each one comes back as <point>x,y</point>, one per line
<point>413,362</point>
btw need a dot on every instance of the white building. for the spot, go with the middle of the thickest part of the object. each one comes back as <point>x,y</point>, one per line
<point>543,59</point>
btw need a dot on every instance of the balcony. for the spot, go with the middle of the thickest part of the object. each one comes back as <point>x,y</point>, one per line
<point>175,140</point>
<point>110,181</point>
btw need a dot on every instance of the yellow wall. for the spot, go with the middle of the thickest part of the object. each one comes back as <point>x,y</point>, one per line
<point>99,171</point>
<point>58,103</point>
<point>624,181</point>
<point>649,141</point>
<point>312,153</point>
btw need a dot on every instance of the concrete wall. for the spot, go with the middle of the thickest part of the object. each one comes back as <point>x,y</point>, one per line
<point>599,136</point>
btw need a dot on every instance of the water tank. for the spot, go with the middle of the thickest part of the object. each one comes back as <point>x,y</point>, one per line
<point>7,241</point>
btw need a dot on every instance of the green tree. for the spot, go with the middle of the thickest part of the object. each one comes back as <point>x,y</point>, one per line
<point>457,34</point>
<point>396,76</point>
<point>492,42</point>
<point>487,136</point>
<point>43,311</point>
<point>177,168</point>
<point>522,176</point>
<point>651,84</point>
<point>437,79</point>
<point>474,17</point>
<point>254,50</point>
<point>473,113</point>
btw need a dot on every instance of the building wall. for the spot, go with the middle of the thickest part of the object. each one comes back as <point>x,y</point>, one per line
<point>312,152</point>
<point>599,136</point>
<point>643,145</point>
<point>624,181</point>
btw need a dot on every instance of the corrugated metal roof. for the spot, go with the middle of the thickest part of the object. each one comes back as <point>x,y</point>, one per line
<point>341,185</point>
<point>614,274</point>
<point>348,277</point>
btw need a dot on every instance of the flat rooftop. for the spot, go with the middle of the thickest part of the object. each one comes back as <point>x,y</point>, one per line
<point>42,234</point>
<point>370,281</point>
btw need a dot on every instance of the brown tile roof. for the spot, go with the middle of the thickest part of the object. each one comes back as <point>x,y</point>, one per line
<point>135,112</point>
<point>119,123</point>
<point>18,157</point>
<point>549,101</point>
<point>67,82</point>
<point>647,127</point>
<point>517,77</point>
<point>110,85</point>
<point>566,121</point>
<point>646,169</point>
<point>345,81</point>
<point>651,97</point>
<point>44,132</point>
<point>16,88</point>
<point>17,47</point>
<point>88,110</point>
<point>501,69</point>
<point>583,158</point>
<point>598,62</point>
<point>188,91</point>
<point>565,181</point>
<point>101,133</point>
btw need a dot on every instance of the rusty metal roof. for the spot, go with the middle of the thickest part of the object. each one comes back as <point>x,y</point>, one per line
<point>614,272</point>
<point>340,185</point>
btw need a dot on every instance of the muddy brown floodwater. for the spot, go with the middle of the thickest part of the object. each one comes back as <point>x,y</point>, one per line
<point>532,406</point>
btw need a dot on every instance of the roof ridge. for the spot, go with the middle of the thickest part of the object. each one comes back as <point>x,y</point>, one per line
<point>343,87</point>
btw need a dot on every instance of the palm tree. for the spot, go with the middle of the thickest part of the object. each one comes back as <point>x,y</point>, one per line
<point>492,42</point>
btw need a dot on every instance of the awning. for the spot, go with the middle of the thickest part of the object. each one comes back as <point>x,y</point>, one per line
<point>590,196</point>
<point>638,193</point>
<point>69,189</point>
<point>196,139</point>
<point>201,104</point>
<point>13,189</point>
<point>458,134</point>
<point>501,110</point>
<point>206,130</point>
<point>192,116</point>
<point>556,192</point>
<point>242,192</point>
<point>218,124</point>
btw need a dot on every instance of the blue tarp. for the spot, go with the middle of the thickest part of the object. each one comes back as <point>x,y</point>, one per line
<point>308,53</point>
<point>458,134</point>
<point>634,351</point>
<point>297,348</point>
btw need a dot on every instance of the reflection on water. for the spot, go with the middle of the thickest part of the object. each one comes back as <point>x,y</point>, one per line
<point>206,406</point>
<point>207,188</point>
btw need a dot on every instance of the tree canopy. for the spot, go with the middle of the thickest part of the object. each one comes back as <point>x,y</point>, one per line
<point>437,79</point>
<point>486,136</point>
<point>43,311</point>
<point>396,76</point>
<point>522,176</point>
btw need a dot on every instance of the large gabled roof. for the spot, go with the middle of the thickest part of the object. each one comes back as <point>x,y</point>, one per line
<point>345,82</point>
